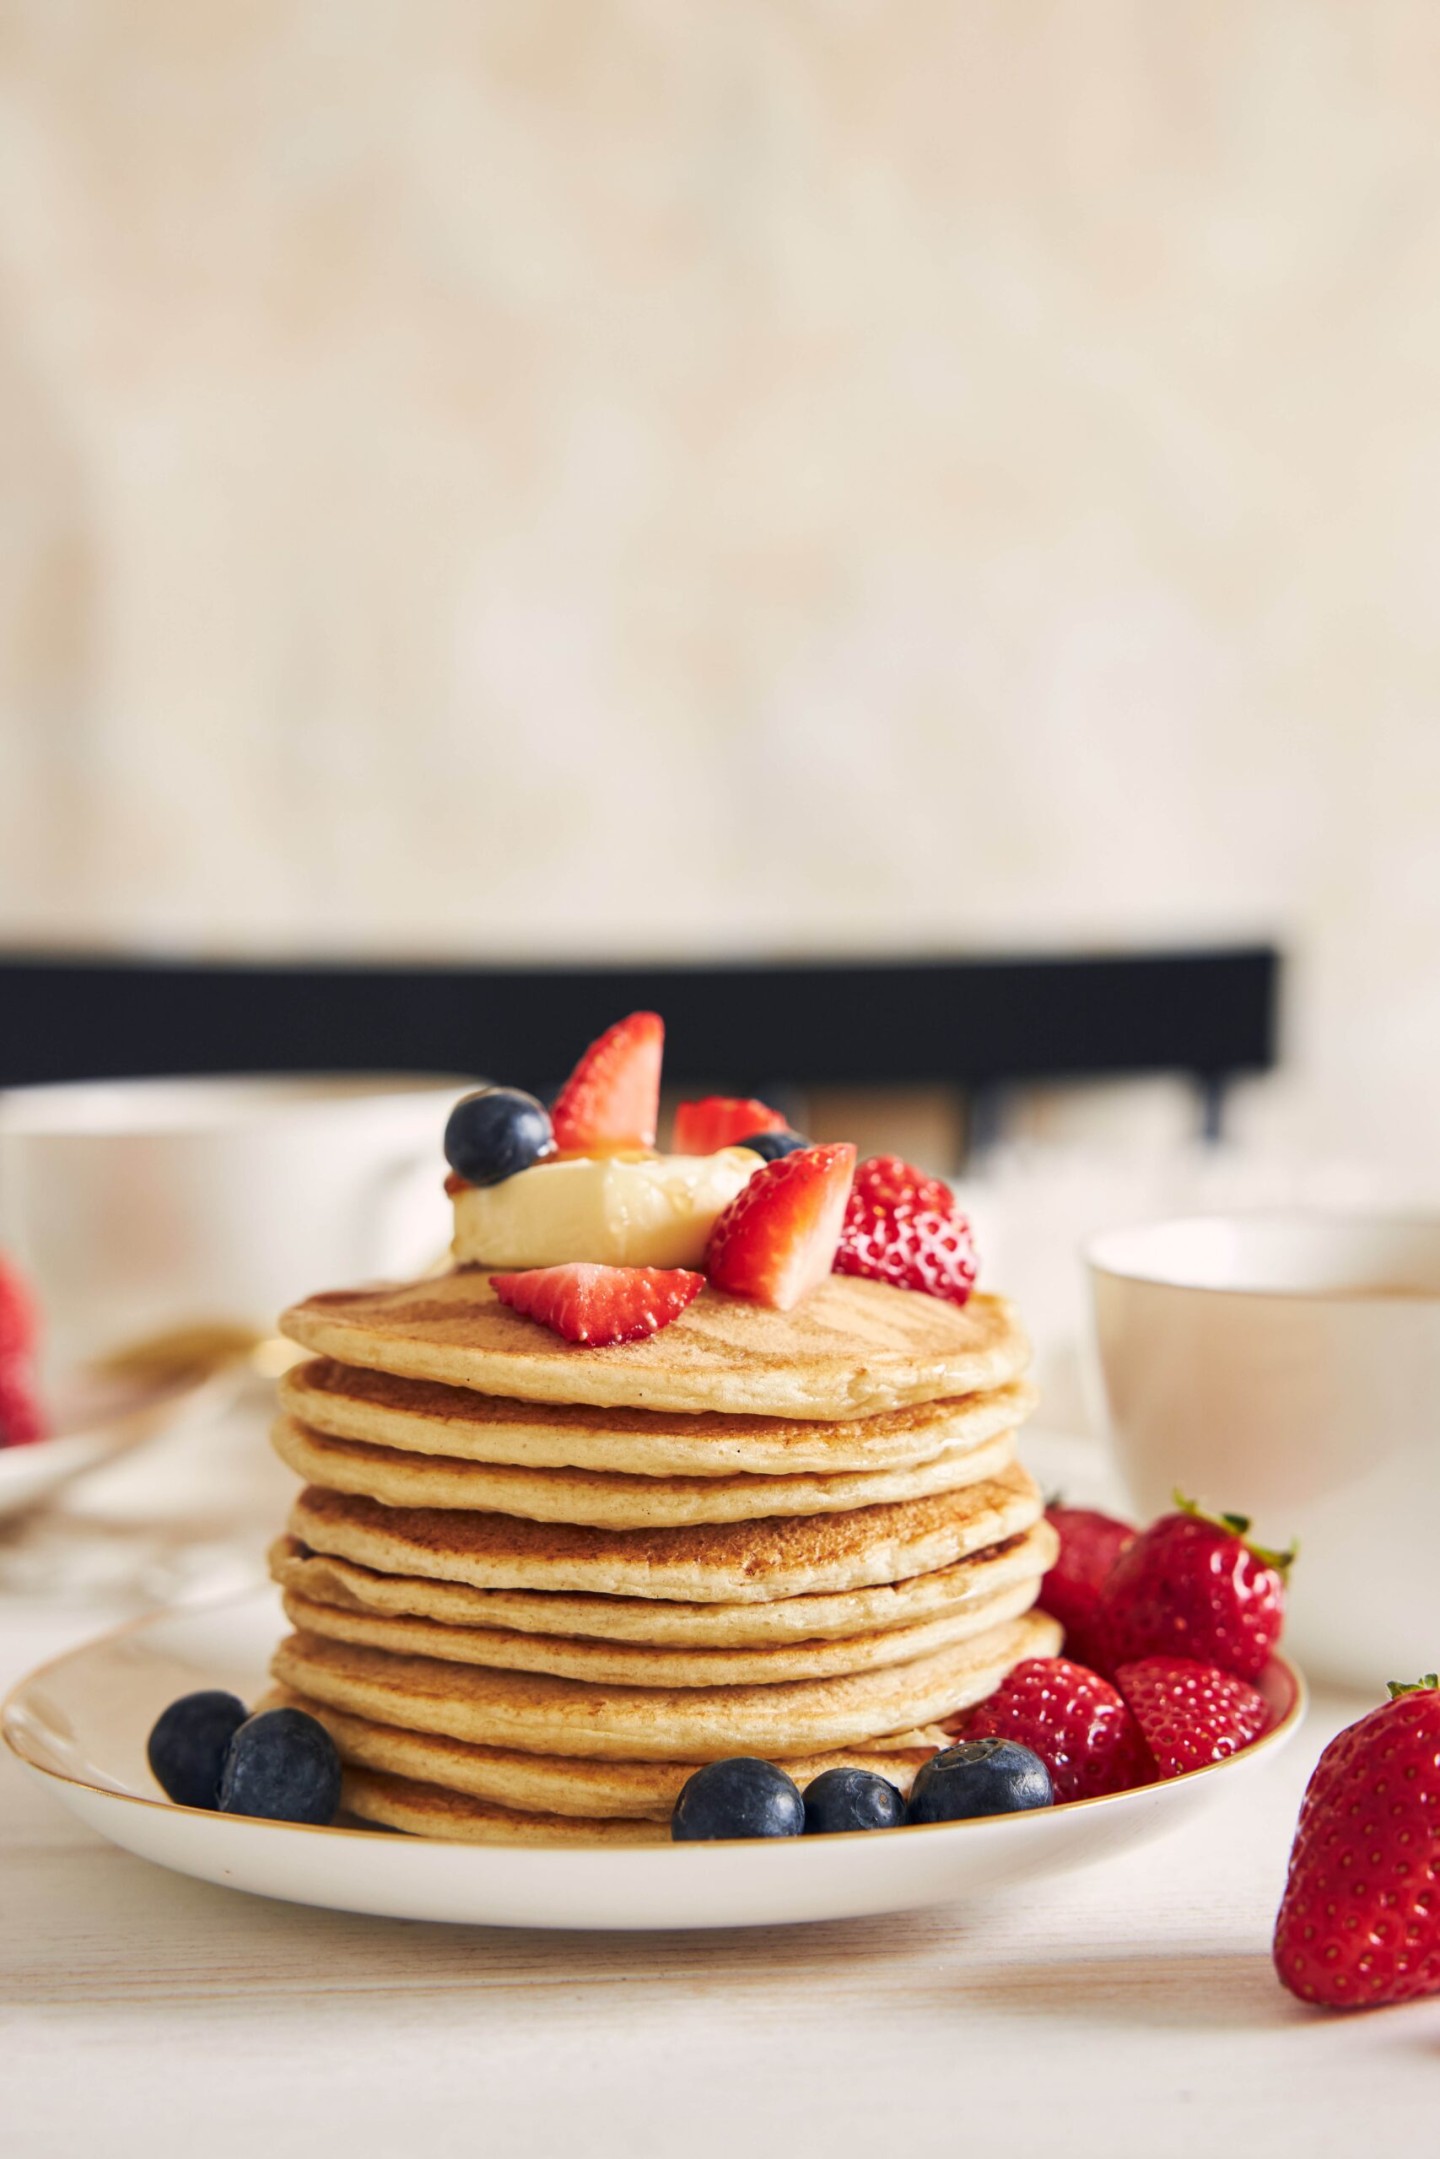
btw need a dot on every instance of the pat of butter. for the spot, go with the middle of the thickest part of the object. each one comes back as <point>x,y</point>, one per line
<point>657,1212</point>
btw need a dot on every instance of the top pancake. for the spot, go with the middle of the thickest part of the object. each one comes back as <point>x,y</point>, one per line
<point>852,1348</point>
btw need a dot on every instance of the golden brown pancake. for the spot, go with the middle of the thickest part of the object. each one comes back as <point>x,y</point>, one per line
<point>424,1810</point>
<point>716,1563</point>
<point>631,1664</point>
<point>588,1496</point>
<point>852,1348</point>
<point>560,1784</point>
<point>651,1620</point>
<point>534,1713</point>
<point>426,1417</point>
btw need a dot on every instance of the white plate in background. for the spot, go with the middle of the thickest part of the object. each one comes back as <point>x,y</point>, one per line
<point>98,1415</point>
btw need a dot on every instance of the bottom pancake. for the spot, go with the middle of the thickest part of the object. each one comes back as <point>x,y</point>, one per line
<point>425,1810</point>
<point>537,1714</point>
<point>555,1784</point>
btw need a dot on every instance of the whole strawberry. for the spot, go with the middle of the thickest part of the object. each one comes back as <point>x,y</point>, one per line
<point>1359,1924</point>
<point>22,1420</point>
<point>1190,1714</point>
<point>1090,1544</point>
<point>904,1228</point>
<point>1074,1720</point>
<point>1190,1586</point>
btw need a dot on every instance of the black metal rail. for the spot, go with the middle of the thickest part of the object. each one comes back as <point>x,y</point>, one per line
<point>973,1024</point>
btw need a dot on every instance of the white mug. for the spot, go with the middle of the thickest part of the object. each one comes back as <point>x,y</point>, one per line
<point>1287,1366</point>
<point>138,1206</point>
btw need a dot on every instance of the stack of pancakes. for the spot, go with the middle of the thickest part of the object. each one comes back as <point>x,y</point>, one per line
<point>536,1585</point>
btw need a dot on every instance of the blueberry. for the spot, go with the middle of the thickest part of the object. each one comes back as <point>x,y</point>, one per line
<point>282,1766</point>
<point>773,1144</point>
<point>739,1798</point>
<point>186,1749</point>
<point>979,1776</point>
<point>851,1799</point>
<point>496,1133</point>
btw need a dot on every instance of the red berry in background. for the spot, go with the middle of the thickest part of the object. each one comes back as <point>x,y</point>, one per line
<point>1090,1544</point>
<point>719,1121</point>
<point>597,1305</point>
<point>19,1313</point>
<point>1359,1923</point>
<point>904,1228</point>
<point>776,1240</point>
<point>612,1098</point>
<point>1190,1586</point>
<point>1191,1714</point>
<point>1073,1719</point>
<point>22,1421</point>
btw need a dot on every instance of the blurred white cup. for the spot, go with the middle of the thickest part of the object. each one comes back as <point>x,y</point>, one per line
<point>1287,1366</point>
<point>142,1206</point>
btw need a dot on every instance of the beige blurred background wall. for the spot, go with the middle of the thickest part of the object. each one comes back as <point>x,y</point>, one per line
<point>557,478</point>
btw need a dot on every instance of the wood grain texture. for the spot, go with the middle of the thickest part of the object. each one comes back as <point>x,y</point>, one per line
<point>143,2015</point>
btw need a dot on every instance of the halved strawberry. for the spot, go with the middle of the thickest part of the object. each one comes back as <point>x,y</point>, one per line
<point>904,1228</point>
<point>719,1120</point>
<point>776,1240</point>
<point>596,1305</point>
<point>612,1098</point>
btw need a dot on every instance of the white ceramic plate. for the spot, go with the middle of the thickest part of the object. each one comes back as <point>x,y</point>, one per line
<point>99,1416</point>
<point>81,1724</point>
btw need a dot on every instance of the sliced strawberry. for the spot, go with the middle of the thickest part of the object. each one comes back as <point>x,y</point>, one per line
<point>612,1098</point>
<point>776,1240</point>
<point>596,1305</point>
<point>905,1228</point>
<point>719,1120</point>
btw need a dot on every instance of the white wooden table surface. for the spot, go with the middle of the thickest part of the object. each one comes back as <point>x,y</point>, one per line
<point>1129,2009</point>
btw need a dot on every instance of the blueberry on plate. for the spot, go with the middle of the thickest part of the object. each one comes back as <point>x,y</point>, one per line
<point>979,1776</point>
<point>773,1144</point>
<point>739,1798</point>
<point>186,1748</point>
<point>496,1133</point>
<point>841,1799</point>
<point>282,1766</point>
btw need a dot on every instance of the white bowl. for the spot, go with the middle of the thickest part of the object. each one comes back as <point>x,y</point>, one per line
<point>1287,1366</point>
